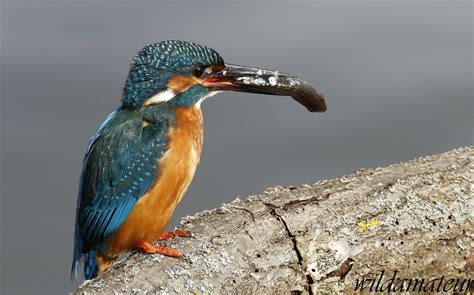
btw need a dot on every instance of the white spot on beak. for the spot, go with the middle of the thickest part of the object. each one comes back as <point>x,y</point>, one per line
<point>259,81</point>
<point>252,80</point>
<point>246,80</point>
<point>273,80</point>
<point>294,82</point>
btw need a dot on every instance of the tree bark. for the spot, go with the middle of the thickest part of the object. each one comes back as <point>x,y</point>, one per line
<point>415,218</point>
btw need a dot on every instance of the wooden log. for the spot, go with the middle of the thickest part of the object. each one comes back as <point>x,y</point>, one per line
<point>414,218</point>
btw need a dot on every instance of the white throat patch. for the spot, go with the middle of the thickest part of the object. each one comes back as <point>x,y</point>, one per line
<point>210,94</point>
<point>164,95</point>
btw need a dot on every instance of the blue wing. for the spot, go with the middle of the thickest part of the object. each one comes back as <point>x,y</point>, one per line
<point>119,167</point>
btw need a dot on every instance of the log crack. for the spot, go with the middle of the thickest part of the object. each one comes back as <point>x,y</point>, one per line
<point>294,242</point>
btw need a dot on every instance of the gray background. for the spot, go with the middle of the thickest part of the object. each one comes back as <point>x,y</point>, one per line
<point>397,77</point>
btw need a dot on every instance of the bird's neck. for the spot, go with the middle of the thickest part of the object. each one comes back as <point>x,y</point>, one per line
<point>189,122</point>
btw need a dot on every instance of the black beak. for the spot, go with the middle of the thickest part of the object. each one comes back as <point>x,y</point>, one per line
<point>246,79</point>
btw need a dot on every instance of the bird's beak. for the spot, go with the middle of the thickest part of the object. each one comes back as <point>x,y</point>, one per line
<point>246,79</point>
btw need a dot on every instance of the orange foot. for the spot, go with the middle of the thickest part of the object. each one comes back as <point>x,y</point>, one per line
<point>173,234</point>
<point>146,247</point>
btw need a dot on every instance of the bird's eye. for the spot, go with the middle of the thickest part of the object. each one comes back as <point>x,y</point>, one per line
<point>198,71</point>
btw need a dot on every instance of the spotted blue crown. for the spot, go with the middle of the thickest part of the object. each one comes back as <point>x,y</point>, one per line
<point>155,64</point>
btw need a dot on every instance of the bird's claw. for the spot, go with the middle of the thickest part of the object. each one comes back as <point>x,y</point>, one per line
<point>174,234</point>
<point>146,247</point>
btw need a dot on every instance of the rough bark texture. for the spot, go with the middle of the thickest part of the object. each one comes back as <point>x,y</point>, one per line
<point>416,218</point>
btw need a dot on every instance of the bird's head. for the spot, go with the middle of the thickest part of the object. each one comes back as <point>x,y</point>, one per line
<point>185,73</point>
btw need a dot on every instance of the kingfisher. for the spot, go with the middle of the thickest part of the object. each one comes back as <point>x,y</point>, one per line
<point>141,160</point>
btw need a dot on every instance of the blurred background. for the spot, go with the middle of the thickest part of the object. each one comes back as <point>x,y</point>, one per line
<point>397,76</point>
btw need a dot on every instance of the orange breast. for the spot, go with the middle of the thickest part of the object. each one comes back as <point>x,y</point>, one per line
<point>152,212</point>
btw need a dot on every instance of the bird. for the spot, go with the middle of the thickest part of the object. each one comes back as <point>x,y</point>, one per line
<point>141,160</point>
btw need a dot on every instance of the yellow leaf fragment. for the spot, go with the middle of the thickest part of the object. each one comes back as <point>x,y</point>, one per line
<point>364,226</point>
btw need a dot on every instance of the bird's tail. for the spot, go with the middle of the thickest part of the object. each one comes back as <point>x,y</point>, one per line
<point>77,256</point>
<point>91,270</point>
<point>90,265</point>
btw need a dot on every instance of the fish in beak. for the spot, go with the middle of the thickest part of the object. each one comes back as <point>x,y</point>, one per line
<point>247,79</point>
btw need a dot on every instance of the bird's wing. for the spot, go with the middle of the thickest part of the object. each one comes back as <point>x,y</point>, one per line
<point>119,167</point>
